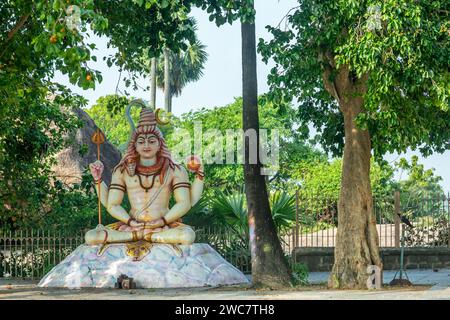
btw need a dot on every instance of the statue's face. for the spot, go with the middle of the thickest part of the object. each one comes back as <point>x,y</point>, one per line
<point>147,145</point>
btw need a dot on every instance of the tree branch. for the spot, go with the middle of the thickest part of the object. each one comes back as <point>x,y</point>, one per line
<point>14,30</point>
<point>285,17</point>
<point>326,74</point>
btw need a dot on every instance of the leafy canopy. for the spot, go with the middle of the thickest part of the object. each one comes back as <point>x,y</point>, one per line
<point>36,39</point>
<point>141,29</point>
<point>399,48</point>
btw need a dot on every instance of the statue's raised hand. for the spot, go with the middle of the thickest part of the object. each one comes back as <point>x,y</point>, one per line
<point>194,164</point>
<point>96,168</point>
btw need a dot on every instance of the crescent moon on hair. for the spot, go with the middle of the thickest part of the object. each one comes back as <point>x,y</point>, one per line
<point>158,119</point>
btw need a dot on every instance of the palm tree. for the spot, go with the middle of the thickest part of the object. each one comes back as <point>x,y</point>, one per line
<point>167,77</point>
<point>185,66</point>
<point>181,67</point>
<point>153,82</point>
<point>269,267</point>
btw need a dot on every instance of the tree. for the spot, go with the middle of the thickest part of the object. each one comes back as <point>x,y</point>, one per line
<point>268,264</point>
<point>109,114</point>
<point>153,82</point>
<point>376,74</point>
<point>185,66</point>
<point>145,32</point>
<point>419,182</point>
<point>421,195</point>
<point>319,178</point>
<point>140,30</point>
<point>231,176</point>
<point>167,80</point>
<point>36,39</point>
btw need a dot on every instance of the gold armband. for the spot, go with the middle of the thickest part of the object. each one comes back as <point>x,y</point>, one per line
<point>181,185</point>
<point>117,187</point>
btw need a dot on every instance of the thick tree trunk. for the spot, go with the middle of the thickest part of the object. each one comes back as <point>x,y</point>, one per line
<point>153,83</point>
<point>357,238</point>
<point>269,266</point>
<point>167,105</point>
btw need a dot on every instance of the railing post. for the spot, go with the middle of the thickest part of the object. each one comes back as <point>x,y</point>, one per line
<point>397,218</point>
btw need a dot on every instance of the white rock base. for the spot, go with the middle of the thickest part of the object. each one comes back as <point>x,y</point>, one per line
<point>198,266</point>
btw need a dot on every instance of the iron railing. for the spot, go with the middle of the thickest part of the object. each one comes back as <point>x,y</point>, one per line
<point>316,220</point>
<point>32,253</point>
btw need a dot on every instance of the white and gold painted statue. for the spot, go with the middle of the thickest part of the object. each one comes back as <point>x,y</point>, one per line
<point>149,243</point>
<point>149,177</point>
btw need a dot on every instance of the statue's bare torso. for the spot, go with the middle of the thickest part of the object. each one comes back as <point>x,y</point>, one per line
<point>156,191</point>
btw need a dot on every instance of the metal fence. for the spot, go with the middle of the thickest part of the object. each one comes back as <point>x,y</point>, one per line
<point>32,253</point>
<point>316,221</point>
<point>233,246</point>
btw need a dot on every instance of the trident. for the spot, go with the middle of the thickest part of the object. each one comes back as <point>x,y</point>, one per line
<point>98,138</point>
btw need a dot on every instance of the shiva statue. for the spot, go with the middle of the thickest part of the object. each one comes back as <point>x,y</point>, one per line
<point>148,245</point>
<point>149,176</point>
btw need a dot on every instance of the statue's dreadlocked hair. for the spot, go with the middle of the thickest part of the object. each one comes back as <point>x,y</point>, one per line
<point>131,157</point>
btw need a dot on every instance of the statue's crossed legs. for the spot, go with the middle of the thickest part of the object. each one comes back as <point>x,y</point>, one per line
<point>178,233</point>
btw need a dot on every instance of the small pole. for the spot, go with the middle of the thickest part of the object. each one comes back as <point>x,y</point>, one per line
<point>98,138</point>
<point>98,187</point>
<point>402,252</point>
<point>400,280</point>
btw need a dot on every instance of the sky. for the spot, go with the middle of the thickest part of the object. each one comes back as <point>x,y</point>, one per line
<point>222,78</point>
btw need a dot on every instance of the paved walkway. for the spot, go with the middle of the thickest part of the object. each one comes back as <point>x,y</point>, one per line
<point>427,285</point>
<point>417,277</point>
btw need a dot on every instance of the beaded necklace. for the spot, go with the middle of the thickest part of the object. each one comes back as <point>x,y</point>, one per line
<point>149,171</point>
<point>147,175</point>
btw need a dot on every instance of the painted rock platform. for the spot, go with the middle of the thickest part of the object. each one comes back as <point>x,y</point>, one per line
<point>198,266</point>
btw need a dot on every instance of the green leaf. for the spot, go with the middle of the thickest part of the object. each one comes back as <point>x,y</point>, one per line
<point>56,5</point>
<point>164,4</point>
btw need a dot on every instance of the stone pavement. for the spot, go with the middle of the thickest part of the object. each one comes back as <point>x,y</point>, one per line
<point>418,277</point>
<point>427,285</point>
